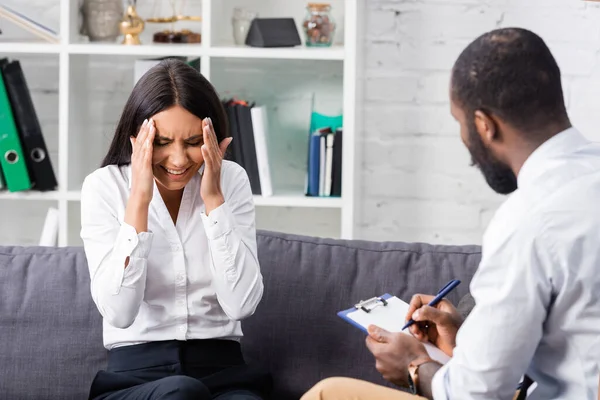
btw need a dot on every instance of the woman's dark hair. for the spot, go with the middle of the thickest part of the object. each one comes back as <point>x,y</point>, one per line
<point>171,82</point>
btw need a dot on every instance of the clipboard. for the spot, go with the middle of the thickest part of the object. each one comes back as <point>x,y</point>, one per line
<point>387,312</point>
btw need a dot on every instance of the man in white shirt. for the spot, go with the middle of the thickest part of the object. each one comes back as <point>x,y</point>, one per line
<point>537,289</point>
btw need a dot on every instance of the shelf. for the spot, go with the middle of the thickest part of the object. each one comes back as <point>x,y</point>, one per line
<point>157,50</point>
<point>29,47</point>
<point>298,200</point>
<point>30,195</point>
<point>291,53</point>
<point>190,50</point>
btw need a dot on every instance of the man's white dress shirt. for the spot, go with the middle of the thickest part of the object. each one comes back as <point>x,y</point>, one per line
<point>195,279</point>
<point>537,289</point>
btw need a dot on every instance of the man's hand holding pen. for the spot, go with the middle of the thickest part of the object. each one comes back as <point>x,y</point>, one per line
<point>436,324</point>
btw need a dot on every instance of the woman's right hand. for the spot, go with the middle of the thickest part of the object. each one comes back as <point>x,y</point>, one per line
<point>438,325</point>
<point>142,176</point>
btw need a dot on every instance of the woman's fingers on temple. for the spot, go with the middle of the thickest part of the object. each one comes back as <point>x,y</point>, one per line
<point>151,132</point>
<point>208,140</point>
<point>213,135</point>
<point>207,156</point>
<point>143,131</point>
<point>224,145</point>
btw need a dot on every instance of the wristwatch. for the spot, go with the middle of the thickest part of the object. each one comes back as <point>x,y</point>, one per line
<point>413,372</point>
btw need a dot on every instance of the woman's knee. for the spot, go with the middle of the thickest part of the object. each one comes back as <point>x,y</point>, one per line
<point>181,387</point>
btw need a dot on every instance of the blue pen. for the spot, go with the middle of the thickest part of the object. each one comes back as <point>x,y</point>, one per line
<point>441,294</point>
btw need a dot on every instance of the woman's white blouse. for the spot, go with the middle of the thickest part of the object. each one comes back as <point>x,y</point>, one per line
<point>195,279</point>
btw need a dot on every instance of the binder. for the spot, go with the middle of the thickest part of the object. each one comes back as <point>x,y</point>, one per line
<point>34,147</point>
<point>314,162</point>
<point>246,131</point>
<point>2,184</point>
<point>336,170</point>
<point>329,163</point>
<point>12,159</point>
<point>235,148</point>
<point>387,312</point>
<point>322,163</point>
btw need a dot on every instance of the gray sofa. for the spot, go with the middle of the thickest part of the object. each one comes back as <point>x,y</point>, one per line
<point>50,330</point>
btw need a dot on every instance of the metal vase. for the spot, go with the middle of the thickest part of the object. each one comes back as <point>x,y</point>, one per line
<point>101,18</point>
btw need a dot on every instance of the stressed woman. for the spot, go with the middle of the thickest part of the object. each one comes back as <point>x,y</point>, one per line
<point>169,235</point>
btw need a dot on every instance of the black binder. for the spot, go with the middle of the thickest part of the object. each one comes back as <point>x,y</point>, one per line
<point>30,133</point>
<point>246,131</point>
<point>336,179</point>
<point>235,148</point>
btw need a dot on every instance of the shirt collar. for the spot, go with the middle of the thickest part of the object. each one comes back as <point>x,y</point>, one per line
<point>564,142</point>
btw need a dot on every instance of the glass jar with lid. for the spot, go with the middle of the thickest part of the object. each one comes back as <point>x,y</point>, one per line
<point>319,26</point>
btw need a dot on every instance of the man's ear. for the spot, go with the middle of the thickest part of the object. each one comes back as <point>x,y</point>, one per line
<point>486,127</point>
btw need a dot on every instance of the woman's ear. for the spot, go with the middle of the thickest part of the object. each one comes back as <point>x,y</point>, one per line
<point>486,127</point>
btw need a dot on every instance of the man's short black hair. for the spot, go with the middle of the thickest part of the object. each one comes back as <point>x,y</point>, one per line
<point>511,73</point>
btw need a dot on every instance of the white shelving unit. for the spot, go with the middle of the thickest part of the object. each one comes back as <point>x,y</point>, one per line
<point>71,52</point>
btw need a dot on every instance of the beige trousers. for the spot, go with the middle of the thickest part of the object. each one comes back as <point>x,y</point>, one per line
<point>353,389</point>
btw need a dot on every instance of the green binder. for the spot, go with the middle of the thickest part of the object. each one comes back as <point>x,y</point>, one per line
<point>12,160</point>
<point>2,185</point>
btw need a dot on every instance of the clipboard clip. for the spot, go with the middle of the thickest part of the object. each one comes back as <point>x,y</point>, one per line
<point>370,304</point>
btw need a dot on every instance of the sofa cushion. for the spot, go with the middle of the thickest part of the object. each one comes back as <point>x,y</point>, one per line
<point>296,332</point>
<point>51,331</point>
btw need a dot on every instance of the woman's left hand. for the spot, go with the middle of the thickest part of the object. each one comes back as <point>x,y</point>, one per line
<point>212,152</point>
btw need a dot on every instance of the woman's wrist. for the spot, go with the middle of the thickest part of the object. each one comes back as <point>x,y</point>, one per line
<point>136,212</point>
<point>213,202</point>
<point>139,198</point>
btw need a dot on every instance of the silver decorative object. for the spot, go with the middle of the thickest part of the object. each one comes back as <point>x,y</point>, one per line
<point>101,18</point>
<point>240,22</point>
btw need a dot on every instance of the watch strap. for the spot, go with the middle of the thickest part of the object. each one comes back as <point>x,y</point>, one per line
<point>413,372</point>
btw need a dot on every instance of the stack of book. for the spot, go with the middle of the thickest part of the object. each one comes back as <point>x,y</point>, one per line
<point>324,175</point>
<point>24,159</point>
<point>249,128</point>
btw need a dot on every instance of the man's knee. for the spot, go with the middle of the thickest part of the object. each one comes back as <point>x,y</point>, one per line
<point>182,387</point>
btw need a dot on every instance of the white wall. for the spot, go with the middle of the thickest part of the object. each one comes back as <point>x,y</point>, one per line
<point>417,184</point>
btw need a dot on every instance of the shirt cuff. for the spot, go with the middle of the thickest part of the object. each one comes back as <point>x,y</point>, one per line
<point>219,222</point>
<point>134,245</point>
<point>439,383</point>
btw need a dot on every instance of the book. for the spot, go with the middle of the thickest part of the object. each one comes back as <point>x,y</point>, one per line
<point>260,128</point>
<point>49,234</point>
<point>13,13</point>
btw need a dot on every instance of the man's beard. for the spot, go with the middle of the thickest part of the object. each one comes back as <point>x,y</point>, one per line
<point>497,174</point>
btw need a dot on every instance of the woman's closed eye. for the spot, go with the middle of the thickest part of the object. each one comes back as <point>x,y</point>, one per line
<point>193,143</point>
<point>197,142</point>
